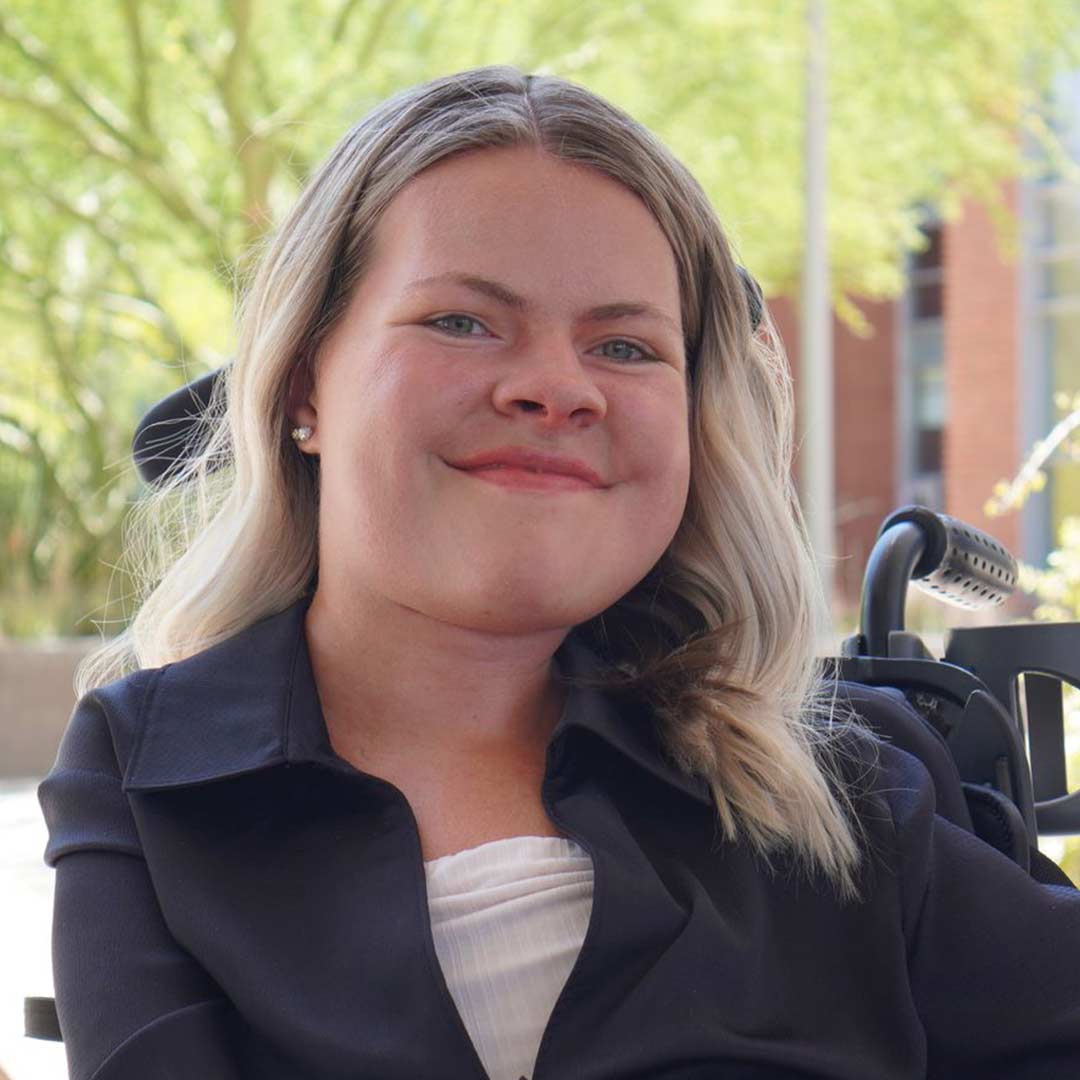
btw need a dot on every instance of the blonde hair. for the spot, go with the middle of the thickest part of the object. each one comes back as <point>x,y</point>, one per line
<point>719,637</point>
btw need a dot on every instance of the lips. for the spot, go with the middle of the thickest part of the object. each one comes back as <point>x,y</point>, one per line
<point>528,460</point>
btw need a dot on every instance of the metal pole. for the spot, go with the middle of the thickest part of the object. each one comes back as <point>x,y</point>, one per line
<point>816,474</point>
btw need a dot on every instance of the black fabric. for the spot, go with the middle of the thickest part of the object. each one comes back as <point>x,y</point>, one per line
<point>1044,869</point>
<point>904,727</point>
<point>998,821</point>
<point>234,900</point>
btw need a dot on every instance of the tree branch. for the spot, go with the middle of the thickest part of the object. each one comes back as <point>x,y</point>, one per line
<point>251,150</point>
<point>102,227</point>
<point>267,100</point>
<point>35,53</point>
<point>355,61</point>
<point>38,524</point>
<point>52,482</point>
<point>68,387</point>
<point>153,176</point>
<point>341,22</point>
<point>140,106</point>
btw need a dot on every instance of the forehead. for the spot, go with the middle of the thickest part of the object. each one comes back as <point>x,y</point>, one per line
<point>551,229</point>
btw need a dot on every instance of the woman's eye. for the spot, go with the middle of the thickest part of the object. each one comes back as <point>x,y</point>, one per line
<point>644,353</point>
<point>458,319</point>
<point>459,326</point>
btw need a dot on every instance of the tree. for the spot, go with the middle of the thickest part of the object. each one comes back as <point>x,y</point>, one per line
<point>149,146</point>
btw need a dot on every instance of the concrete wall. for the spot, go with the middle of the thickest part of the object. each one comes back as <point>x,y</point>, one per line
<point>36,701</point>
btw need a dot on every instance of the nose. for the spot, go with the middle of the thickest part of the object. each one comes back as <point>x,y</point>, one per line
<point>550,377</point>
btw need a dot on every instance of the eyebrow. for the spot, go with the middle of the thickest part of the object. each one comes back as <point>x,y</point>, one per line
<point>619,309</point>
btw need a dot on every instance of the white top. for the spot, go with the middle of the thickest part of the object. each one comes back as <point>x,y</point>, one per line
<point>509,918</point>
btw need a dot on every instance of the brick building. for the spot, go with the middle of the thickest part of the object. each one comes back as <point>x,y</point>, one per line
<point>957,382</point>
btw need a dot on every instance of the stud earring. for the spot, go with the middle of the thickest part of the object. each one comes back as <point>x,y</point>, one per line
<point>302,434</point>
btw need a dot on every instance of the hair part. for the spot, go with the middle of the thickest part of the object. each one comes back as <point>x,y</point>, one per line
<point>718,638</point>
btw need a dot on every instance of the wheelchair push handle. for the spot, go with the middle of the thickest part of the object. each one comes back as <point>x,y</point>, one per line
<point>945,557</point>
<point>1005,737</point>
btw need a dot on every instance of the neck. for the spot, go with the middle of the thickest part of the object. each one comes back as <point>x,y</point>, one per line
<point>393,682</point>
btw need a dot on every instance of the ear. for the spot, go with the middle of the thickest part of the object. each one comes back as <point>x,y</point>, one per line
<point>299,404</point>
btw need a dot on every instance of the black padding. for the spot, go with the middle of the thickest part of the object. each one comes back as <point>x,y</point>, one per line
<point>1046,871</point>
<point>998,822</point>
<point>168,433</point>
<point>755,300</point>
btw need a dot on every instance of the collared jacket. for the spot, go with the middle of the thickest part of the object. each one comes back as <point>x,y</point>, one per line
<point>236,902</point>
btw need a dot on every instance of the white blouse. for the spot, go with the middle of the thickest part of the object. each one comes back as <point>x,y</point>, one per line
<point>509,918</point>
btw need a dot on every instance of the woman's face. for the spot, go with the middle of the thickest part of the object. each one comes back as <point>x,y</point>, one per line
<point>426,369</point>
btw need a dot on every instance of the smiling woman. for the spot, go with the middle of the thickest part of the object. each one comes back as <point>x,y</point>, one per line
<point>388,396</point>
<point>470,724</point>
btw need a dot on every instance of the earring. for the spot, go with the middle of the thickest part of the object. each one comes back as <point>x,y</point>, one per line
<point>302,434</point>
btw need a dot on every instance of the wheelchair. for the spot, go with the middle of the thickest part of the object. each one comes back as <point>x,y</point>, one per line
<point>996,755</point>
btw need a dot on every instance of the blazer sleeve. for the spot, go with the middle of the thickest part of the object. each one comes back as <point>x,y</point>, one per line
<point>993,955</point>
<point>132,1003</point>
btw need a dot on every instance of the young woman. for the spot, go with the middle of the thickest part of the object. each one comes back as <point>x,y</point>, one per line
<point>471,725</point>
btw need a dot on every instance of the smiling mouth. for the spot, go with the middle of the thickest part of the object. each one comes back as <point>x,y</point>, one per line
<point>523,479</point>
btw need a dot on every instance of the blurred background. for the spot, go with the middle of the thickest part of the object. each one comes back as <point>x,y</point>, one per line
<point>901,176</point>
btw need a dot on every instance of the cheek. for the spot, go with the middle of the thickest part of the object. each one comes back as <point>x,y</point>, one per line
<point>657,436</point>
<point>417,386</point>
<point>667,496</point>
<point>373,399</point>
<point>658,468</point>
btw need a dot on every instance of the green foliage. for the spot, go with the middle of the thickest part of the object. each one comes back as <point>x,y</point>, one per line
<point>148,144</point>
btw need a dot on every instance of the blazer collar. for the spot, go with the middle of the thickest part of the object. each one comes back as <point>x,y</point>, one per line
<point>250,702</point>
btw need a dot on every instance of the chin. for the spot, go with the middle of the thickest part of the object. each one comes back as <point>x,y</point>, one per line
<point>502,611</point>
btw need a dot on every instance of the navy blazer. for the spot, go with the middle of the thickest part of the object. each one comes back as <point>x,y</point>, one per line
<point>233,900</point>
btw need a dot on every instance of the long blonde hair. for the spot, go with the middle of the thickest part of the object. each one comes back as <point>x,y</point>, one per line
<point>719,637</point>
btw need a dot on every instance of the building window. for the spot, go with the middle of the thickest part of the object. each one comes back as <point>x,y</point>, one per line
<point>924,361</point>
<point>1057,304</point>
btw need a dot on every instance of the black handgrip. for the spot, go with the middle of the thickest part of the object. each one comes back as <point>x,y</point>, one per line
<point>959,564</point>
